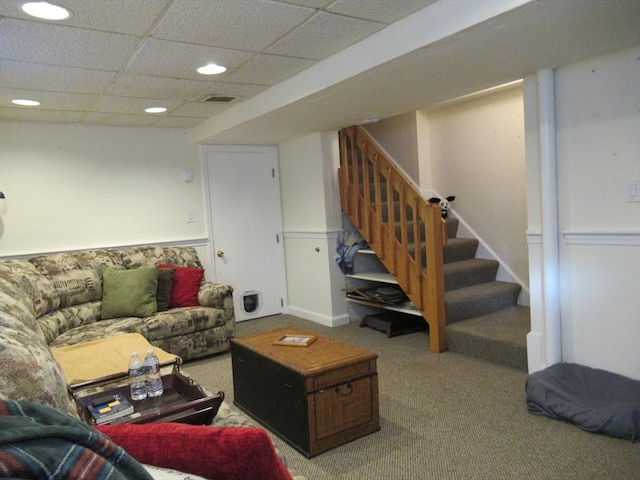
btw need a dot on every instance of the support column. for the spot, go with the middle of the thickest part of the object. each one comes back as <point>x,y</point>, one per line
<point>550,233</point>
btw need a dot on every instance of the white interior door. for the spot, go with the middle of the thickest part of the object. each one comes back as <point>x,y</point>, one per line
<point>246,226</point>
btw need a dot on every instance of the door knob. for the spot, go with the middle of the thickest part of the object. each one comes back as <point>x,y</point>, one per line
<point>220,253</point>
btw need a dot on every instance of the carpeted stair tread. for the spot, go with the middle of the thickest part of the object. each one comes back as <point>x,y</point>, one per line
<point>458,249</point>
<point>469,272</point>
<point>498,337</point>
<point>476,300</point>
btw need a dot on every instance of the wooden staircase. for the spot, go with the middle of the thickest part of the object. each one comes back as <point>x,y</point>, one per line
<point>468,311</point>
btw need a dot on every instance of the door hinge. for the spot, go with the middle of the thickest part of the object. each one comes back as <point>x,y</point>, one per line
<point>277,238</point>
<point>273,172</point>
<point>282,302</point>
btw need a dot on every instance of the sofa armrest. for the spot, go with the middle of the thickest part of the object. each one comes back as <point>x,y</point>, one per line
<point>215,295</point>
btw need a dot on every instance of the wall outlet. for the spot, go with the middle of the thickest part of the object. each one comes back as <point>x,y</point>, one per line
<point>191,216</point>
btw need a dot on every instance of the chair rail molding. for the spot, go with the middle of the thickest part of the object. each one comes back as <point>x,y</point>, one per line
<point>620,238</point>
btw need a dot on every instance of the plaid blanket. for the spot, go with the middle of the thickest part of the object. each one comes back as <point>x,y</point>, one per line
<point>39,442</point>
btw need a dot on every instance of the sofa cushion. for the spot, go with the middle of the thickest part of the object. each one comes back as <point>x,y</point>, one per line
<point>183,321</point>
<point>101,329</point>
<point>165,286</point>
<point>197,344</point>
<point>15,305</point>
<point>129,293</point>
<point>57,323</point>
<point>234,453</point>
<point>154,255</point>
<point>52,324</point>
<point>36,289</point>
<point>77,276</point>
<point>29,371</point>
<point>186,283</point>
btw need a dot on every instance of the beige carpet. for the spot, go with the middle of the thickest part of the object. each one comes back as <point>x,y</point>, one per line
<point>443,416</point>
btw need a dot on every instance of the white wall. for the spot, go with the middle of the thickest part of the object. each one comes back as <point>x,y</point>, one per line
<point>598,150</point>
<point>399,137</point>
<point>311,220</point>
<point>477,154</point>
<point>82,186</point>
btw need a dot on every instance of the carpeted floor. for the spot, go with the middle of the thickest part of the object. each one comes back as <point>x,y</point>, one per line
<point>443,416</point>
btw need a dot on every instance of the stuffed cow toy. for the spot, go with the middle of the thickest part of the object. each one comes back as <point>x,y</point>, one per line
<point>444,205</point>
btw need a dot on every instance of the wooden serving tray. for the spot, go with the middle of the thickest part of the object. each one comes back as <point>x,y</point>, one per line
<point>183,401</point>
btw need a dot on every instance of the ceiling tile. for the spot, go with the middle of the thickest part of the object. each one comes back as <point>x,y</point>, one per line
<point>157,87</point>
<point>378,10</point>
<point>178,122</point>
<point>103,118</point>
<point>36,76</point>
<point>268,69</point>
<point>240,90</point>
<point>29,115</point>
<point>134,106</point>
<point>131,16</point>
<point>49,100</point>
<point>324,35</point>
<point>309,3</point>
<point>199,109</point>
<point>250,25</point>
<point>73,47</point>
<point>180,60</point>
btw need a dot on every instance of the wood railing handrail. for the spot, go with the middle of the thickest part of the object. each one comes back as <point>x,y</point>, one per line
<point>395,236</point>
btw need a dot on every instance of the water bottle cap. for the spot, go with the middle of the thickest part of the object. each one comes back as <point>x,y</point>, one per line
<point>150,351</point>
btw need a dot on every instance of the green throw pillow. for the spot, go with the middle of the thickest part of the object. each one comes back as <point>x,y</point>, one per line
<point>129,293</point>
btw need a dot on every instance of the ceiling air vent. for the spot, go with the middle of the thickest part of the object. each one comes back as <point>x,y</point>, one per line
<point>219,99</point>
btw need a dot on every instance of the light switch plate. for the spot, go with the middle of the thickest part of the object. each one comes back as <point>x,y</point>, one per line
<point>187,175</point>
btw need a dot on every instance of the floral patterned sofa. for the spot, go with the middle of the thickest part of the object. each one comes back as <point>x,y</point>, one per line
<point>56,300</point>
<point>64,292</point>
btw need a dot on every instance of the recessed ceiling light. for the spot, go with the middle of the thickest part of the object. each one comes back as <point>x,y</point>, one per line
<point>25,103</point>
<point>212,69</point>
<point>45,10</point>
<point>155,110</point>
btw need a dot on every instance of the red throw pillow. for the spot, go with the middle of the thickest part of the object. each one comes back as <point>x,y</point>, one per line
<point>229,453</point>
<point>186,283</point>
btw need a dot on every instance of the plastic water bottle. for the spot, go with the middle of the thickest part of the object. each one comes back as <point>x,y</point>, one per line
<point>152,373</point>
<point>136,374</point>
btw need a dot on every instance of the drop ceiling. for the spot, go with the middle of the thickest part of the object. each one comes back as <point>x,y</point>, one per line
<point>293,66</point>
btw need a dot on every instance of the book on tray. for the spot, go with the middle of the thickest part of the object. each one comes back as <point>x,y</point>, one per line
<point>104,409</point>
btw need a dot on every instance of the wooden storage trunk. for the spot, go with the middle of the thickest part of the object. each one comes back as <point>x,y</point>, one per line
<point>316,397</point>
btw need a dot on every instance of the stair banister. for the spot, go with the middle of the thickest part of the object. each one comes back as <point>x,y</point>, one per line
<point>370,186</point>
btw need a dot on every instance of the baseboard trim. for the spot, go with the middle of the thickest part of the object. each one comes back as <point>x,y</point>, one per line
<point>316,317</point>
<point>535,352</point>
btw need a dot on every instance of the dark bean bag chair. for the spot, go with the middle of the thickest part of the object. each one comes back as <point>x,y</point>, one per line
<point>595,400</point>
